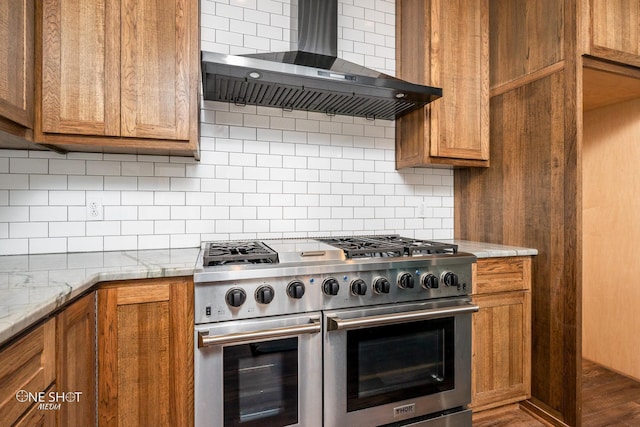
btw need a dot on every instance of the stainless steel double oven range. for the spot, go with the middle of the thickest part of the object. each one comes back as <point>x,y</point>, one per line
<point>345,331</point>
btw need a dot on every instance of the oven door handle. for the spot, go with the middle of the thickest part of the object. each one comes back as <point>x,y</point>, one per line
<point>205,340</point>
<point>335,323</point>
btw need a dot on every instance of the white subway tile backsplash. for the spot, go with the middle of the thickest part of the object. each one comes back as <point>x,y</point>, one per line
<point>85,244</point>
<point>263,172</point>
<point>28,165</point>
<point>28,197</point>
<point>67,167</point>
<point>184,240</point>
<point>103,228</point>
<point>38,182</point>
<point>112,183</point>
<point>20,230</point>
<point>47,213</point>
<point>67,229</point>
<point>85,182</point>
<point>112,243</point>
<point>154,212</point>
<point>169,227</point>
<point>153,184</point>
<point>103,168</point>
<point>47,245</point>
<point>120,212</point>
<point>154,242</point>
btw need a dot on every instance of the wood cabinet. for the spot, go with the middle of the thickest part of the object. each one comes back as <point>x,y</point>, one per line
<point>145,353</point>
<point>37,417</point>
<point>76,361</point>
<point>612,30</point>
<point>17,34</point>
<point>501,334</point>
<point>119,76</point>
<point>445,44</point>
<point>27,367</point>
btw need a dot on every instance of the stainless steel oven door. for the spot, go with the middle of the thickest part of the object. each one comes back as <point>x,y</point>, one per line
<point>392,363</point>
<point>259,372</point>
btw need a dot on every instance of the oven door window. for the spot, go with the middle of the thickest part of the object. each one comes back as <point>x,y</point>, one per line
<point>387,364</point>
<point>261,383</point>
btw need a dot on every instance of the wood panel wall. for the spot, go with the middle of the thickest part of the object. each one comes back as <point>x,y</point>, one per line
<point>530,196</point>
<point>611,300</point>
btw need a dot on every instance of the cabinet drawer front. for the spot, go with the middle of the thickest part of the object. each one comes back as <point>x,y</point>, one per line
<point>502,274</point>
<point>27,365</point>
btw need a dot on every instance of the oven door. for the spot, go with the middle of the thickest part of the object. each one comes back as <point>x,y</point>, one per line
<point>397,362</point>
<point>259,372</point>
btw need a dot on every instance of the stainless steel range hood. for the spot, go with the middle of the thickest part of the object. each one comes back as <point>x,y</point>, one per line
<point>311,77</point>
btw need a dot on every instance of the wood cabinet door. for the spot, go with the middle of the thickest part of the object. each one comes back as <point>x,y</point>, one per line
<point>80,91</point>
<point>615,30</point>
<point>445,44</point>
<point>17,60</point>
<point>501,346</point>
<point>460,66</point>
<point>145,353</point>
<point>38,417</point>
<point>157,68</point>
<point>76,361</point>
<point>26,366</point>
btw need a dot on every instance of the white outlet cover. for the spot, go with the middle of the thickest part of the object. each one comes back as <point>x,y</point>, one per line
<point>94,210</point>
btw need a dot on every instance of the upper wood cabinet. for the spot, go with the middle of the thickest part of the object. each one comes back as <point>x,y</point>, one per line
<point>445,44</point>
<point>119,76</point>
<point>16,65</point>
<point>612,30</point>
<point>145,353</point>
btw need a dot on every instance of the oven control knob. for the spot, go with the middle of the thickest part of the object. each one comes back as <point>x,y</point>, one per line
<point>450,279</point>
<point>429,281</point>
<point>235,297</point>
<point>264,294</point>
<point>295,289</point>
<point>358,287</point>
<point>330,286</point>
<point>381,285</point>
<point>405,281</point>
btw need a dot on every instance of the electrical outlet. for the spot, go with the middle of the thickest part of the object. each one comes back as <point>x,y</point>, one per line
<point>422,210</point>
<point>94,210</point>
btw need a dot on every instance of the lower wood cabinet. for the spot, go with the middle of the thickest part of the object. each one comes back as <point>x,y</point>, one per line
<point>501,334</point>
<point>76,361</point>
<point>27,367</point>
<point>37,417</point>
<point>145,353</point>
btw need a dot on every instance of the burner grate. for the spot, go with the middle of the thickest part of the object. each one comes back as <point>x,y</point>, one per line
<point>389,245</point>
<point>238,252</point>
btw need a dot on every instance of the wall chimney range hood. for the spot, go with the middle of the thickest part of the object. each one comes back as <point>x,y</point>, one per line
<point>311,77</point>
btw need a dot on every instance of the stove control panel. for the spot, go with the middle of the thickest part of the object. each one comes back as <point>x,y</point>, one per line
<point>344,286</point>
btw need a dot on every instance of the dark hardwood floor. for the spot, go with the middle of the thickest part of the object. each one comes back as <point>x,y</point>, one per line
<point>608,399</point>
<point>507,416</point>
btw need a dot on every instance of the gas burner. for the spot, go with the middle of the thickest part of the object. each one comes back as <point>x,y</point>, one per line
<point>238,252</point>
<point>390,245</point>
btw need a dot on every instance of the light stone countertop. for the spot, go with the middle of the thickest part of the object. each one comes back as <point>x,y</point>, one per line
<point>34,286</point>
<point>490,250</point>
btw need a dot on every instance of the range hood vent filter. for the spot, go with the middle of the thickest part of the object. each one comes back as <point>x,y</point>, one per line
<point>249,92</point>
